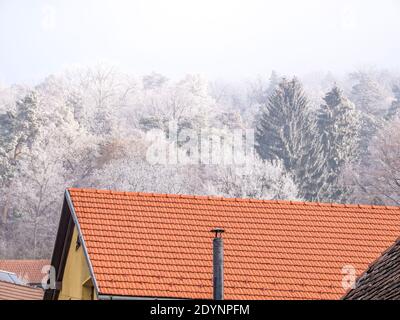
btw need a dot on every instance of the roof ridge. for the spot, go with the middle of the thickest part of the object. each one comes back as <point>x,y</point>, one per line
<point>248,200</point>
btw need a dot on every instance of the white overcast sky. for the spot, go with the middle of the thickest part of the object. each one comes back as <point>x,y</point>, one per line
<point>217,38</point>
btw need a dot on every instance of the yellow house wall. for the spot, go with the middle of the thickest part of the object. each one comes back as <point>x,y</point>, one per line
<point>77,283</point>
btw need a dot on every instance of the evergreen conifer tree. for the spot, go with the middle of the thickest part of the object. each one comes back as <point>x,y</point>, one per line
<point>286,131</point>
<point>338,125</point>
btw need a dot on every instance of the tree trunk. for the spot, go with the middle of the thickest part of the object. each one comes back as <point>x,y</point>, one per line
<point>4,214</point>
<point>35,239</point>
<point>3,228</point>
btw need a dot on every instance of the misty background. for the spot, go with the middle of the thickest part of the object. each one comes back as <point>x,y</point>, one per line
<point>219,39</point>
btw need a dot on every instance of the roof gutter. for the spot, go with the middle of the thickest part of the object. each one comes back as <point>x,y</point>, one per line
<point>75,218</point>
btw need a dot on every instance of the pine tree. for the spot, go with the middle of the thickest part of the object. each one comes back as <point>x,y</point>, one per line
<point>285,132</point>
<point>17,130</point>
<point>273,83</point>
<point>338,125</point>
<point>367,94</point>
<point>369,97</point>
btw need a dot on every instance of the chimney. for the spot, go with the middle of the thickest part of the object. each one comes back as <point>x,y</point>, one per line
<point>218,264</point>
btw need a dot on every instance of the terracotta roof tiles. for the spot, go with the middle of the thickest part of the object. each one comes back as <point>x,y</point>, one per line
<point>28,270</point>
<point>160,246</point>
<point>11,291</point>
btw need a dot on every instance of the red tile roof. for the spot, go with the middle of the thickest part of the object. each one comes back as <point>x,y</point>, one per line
<point>160,245</point>
<point>11,291</point>
<point>28,270</point>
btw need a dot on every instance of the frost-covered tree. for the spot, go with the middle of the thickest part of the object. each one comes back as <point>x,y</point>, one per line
<point>274,80</point>
<point>338,126</point>
<point>40,184</point>
<point>367,94</point>
<point>98,95</point>
<point>18,129</point>
<point>281,119</point>
<point>186,102</point>
<point>285,132</point>
<point>379,182</point>
<point>263,180</point>
<point>18,132</point>
<point>371,98</point>
<point>132,171</point>
<point>47,140</point>
<point>154,81</point>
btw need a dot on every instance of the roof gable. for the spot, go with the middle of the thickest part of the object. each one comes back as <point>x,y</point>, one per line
<point>160,246</point>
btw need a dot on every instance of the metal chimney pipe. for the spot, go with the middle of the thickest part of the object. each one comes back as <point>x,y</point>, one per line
<point>218,264</point>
